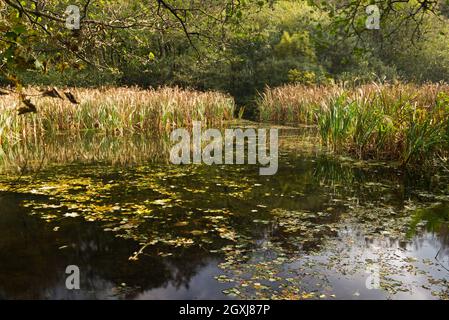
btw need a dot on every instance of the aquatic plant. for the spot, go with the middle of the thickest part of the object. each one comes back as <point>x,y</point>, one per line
<point>401,122</point>
<point>294,103</point>
<point>113,110</point>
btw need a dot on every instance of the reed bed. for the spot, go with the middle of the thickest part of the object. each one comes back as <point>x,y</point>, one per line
<point>294,104</point>
<point>117,110</point>
<point>401,122</point>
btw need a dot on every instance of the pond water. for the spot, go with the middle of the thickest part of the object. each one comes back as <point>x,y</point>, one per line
<point>140,228</point>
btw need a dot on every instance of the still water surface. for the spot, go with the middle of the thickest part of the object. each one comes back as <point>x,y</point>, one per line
<point>140,228</point>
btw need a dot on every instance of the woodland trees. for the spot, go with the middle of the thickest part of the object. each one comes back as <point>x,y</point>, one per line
<point>230,45</point>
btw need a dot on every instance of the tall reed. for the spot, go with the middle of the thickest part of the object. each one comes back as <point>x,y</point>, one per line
<point>402,122</point>
<point>294,103</point>
<point>117,110</point>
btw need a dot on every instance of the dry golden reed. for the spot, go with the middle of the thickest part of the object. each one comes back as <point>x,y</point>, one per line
<point>118,110</point>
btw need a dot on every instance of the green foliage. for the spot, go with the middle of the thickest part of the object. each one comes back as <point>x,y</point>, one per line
<point>372,127</point>
<point>334,121</point>
<point>239,49</point>
<point>405,123</point>
<point>296,45</point>
<point>302,77</point>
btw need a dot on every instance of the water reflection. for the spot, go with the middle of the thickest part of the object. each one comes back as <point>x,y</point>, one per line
<point>34,258</point>
<point>86,147</point>
<point>140,228</point>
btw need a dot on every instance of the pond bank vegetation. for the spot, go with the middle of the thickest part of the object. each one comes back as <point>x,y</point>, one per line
<point>405,123</point>
<point>113,110</point>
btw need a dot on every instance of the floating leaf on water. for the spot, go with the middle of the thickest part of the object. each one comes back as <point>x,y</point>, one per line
<point>71,215</point>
